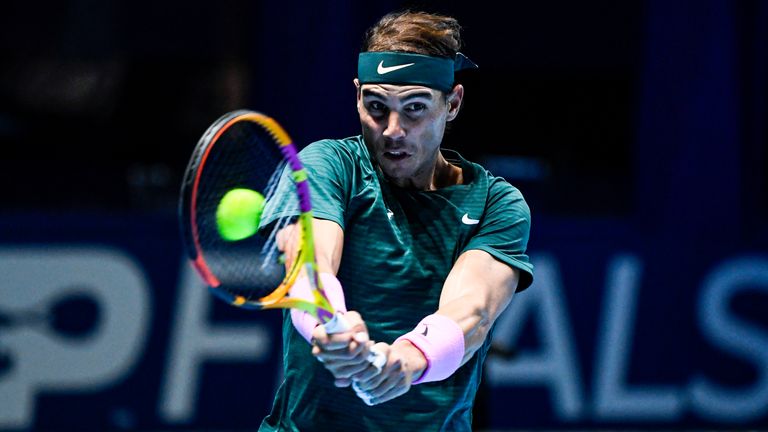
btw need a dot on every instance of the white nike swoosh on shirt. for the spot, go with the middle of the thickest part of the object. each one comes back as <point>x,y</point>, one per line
<point>468,221</point>
<point>387,69</point>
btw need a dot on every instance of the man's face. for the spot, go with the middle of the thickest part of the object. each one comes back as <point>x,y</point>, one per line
<point>403,126</point>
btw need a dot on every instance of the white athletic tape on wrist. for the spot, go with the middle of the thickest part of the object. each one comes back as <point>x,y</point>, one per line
<point>303,321</point>
<point>441,341</point>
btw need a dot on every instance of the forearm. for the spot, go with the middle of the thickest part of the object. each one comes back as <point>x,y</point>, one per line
<point>473,319</point>
<point>477,290</point>
<point>460,320</point>
<point>329,243</point>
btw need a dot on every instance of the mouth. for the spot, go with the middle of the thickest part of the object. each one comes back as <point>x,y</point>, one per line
<point>395,155</point>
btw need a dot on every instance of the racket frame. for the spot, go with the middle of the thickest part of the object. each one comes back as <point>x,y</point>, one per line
<point>305,260</point>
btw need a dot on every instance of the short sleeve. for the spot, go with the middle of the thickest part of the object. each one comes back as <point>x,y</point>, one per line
<point>504,230</point>
<point>327,167</point>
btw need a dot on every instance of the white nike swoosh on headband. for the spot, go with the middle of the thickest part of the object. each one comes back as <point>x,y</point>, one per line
<point>387,69</point>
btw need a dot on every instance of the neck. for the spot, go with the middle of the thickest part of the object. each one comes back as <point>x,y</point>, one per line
<point>438,175</point>
<point>445,174</point>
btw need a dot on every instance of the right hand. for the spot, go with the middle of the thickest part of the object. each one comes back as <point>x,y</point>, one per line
<point>405,364</point>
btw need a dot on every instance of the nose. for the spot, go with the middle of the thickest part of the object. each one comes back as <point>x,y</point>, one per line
<point>394,130</point>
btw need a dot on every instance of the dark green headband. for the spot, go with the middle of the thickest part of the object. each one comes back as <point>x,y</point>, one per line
<point>414,69</point>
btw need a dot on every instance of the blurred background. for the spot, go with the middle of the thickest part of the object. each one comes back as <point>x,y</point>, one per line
<point>637,130</point>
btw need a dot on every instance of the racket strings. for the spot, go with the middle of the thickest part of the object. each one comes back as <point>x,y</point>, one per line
<point>246,157</point>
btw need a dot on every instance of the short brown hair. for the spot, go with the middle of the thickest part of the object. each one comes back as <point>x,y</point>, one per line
<point>415,32</point>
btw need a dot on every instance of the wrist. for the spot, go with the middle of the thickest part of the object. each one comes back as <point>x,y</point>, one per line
<point>441,342</point>
<point>417,361</point>
<point>305,322</point>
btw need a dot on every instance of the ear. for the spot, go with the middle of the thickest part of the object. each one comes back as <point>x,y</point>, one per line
<point>358,91</point>
<point>454,101</point>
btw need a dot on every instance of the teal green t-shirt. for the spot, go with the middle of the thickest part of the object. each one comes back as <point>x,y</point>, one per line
<point>399,246</point>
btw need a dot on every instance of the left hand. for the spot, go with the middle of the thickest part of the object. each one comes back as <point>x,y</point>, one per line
<point>405,363</point>
<point>343,354</point>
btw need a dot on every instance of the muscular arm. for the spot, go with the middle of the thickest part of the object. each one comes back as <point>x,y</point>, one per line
<point>476,292</point>
<point>343,354</point>
<point>329,243</point>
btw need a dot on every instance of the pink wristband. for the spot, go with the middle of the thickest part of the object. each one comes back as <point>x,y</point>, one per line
<point>303,321</point>
<point>441,341</point>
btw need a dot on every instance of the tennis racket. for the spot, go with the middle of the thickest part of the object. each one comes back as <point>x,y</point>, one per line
<point>248,151</point>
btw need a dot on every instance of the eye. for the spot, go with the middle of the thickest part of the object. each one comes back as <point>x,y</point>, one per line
<point>415,108</point>
<point>376,107</point>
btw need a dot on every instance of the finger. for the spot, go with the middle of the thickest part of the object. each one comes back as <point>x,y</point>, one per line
<point>354,328</point>
<point>380,397</point>
<point>344,370</point>
<point>343,350</point>
<point>364,396</point>
<point>384,382</point>
<point>356,324</point>
<point>343,361</point>
<point>362,337</point>
<point>317,352</point>
<point>319,336</point>
<point>366,374</point>
<point>371,370</point>
<point>376,380</point>
<point>342,382</point>
<point>390,389</point>
<point>335,341</point>
<point>359,364</point>
<point>388,385</point>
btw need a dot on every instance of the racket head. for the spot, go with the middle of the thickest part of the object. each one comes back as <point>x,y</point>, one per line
<point>248,150</point>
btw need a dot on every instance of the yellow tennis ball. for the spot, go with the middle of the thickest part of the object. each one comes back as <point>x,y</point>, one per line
<point>238,214</point>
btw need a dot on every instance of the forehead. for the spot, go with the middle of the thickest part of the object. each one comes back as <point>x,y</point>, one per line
<point>398,91</point>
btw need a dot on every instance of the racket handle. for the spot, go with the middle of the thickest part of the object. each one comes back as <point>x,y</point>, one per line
<point>338,324</point>
<point>376,358</point>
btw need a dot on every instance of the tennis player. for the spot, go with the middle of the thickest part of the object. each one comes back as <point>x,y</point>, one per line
<point>423,248</point>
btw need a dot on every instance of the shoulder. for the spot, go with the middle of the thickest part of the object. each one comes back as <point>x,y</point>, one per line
<point>506,215</point>
<point>501,195</point>
<point>505,228</point>
<point>346,148</point>
<point>344,159</point>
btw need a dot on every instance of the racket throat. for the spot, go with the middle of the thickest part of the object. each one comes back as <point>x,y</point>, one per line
<point>323,312</point>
